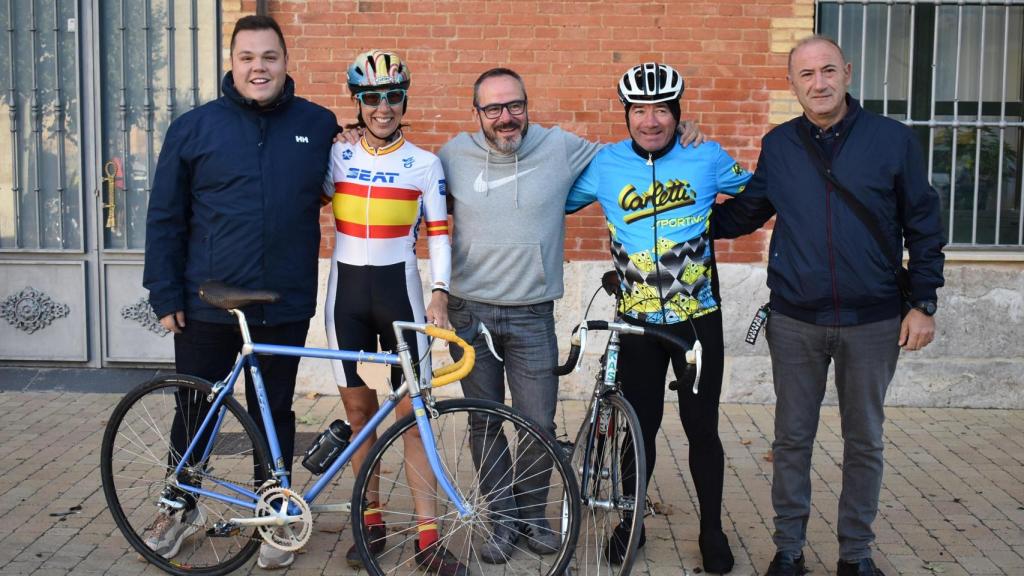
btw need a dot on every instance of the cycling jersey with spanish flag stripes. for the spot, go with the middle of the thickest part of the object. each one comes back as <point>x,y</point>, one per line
<point>379,196</point>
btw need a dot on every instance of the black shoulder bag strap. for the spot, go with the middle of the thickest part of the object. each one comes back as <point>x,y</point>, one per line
<point>861,211</point>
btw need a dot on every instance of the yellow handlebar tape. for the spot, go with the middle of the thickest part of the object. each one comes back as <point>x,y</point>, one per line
<point>448,374</point>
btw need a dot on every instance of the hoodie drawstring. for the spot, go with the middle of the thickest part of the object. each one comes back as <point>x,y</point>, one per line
<point>515,195</point>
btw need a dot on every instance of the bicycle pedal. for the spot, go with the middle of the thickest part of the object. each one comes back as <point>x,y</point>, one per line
<point>224,530</point>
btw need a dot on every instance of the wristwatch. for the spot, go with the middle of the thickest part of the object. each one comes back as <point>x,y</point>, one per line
<point>927,307</point>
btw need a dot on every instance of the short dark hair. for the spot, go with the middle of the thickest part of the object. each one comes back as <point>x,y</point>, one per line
<point>493,73</point>
<point>256,22</point>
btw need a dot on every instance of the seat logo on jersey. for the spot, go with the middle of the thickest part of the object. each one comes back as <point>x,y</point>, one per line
<point>672,194</point>
<point>367,176</point>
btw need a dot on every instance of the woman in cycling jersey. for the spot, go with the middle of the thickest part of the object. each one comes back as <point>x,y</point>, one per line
<point>657,197</point>
<point>381,188</point>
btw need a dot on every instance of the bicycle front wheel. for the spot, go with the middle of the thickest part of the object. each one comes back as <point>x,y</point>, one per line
<point>145,438</point>
<point>509,472</point>
<point>609,457</point>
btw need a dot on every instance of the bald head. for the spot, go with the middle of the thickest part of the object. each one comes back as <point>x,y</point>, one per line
<point>811,40</point>
<point>819,77</point>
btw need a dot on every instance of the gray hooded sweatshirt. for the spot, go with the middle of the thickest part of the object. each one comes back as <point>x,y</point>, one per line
<point>509,214</point>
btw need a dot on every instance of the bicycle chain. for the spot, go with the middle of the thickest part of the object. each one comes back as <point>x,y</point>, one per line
<point>265,487</point>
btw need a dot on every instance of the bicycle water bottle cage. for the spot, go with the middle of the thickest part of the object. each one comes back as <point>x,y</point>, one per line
<point>227,297</point>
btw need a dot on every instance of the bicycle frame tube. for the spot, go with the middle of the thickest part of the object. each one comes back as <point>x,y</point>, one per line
<point>426,434</point>
<point>355,444</point>
<point>326,354</point>
<point>229,387</point>
<point>280,471</point>
<point>214,409</point>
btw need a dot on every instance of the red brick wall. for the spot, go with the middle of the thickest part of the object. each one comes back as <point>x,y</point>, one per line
<point>570,54</point>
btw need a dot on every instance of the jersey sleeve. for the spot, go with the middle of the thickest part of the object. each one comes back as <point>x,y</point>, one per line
<point>731,177</point>
<point>327,193</point>
<point>584,190</point>
<point>436,217</point>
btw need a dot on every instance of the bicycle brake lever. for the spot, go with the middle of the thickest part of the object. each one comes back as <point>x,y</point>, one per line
<point>698,353</point>
<point>490,343</point>
<point>581,337</point>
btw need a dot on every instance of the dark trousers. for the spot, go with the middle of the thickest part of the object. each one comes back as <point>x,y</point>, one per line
<point>208,350</point>
<point>865,361</point>
<point>643,365</point>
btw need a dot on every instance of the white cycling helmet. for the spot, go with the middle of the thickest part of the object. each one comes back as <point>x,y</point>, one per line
<point>650,82</point>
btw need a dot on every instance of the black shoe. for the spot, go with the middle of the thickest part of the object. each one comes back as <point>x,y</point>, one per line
<point>785,565</point>
<point>376,536</point>
<point>714,550</point>
<point>616,547</point>
<point>501,542</point>
<point>862,567</point>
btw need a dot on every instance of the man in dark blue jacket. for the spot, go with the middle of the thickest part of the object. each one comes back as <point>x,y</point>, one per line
<point>236,198</point>
<point>834,294</point>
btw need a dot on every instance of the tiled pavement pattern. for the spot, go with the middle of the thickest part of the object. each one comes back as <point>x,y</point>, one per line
<point>952,500</point>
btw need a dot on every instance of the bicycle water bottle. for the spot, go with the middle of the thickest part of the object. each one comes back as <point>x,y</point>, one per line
<point>327,447</point>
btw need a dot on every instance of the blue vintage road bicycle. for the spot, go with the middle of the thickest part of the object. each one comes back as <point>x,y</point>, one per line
<point>230,488</point>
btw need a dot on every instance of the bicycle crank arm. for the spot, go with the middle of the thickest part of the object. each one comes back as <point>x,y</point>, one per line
<point>266,520</point>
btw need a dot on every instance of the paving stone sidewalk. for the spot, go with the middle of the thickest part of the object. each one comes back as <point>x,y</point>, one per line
<point>952,499</point>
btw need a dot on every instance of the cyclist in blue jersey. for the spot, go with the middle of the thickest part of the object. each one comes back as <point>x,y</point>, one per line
<point>657,198</point>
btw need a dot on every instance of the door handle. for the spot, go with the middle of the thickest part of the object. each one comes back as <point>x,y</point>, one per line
<point>110,179</point>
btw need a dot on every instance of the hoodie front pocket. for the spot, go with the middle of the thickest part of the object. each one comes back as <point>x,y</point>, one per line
<point>506,272</point>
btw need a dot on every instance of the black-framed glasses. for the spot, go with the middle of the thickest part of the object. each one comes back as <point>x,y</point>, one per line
<point>374,99</point>
<point>492,111</point>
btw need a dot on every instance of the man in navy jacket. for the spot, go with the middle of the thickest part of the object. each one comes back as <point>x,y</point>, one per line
<point>236,198</point>
<point>834,295</point>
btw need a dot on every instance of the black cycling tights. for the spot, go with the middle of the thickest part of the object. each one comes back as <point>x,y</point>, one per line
<point>643,364</point>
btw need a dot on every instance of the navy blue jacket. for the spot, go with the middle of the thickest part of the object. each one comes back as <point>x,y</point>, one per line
<point>236,197</point>
<point>824,266</point>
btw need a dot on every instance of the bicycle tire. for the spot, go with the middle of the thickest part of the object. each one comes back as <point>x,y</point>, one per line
<point>606,503</point>
<point>464,537</point>
<point>136,461</point>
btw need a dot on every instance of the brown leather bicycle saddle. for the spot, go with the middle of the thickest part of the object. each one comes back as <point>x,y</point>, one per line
<point>226,297</point>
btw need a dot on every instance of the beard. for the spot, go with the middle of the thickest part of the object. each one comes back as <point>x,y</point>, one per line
<point>506,144</point>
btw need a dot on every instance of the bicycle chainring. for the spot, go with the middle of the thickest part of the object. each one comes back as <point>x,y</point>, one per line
<point>293,535</point>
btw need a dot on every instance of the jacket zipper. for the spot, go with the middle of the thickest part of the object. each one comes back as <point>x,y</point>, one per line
<point>831,248</point>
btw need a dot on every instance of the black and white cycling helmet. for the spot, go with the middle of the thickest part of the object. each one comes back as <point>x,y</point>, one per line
<point>650,82</point>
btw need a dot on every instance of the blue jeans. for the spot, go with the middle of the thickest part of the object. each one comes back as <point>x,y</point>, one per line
<point>865,358</point>
<point>524,336</point>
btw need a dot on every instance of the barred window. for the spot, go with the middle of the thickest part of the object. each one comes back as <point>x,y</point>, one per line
<point>951,70</point>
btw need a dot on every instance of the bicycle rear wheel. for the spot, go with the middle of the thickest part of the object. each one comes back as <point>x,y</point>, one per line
<point>144,440</point>
<point>609,457</point>
<point>482,467</point>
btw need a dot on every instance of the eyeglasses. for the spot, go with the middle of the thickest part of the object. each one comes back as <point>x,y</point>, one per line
<point>374,99</point>
<point>492,111</point>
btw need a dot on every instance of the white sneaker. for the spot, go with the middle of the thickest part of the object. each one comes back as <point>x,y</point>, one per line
<point>169,531</point>
<point>272,559</point>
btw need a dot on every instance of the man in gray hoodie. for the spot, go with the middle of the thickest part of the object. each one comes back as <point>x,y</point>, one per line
<point>507,186</point>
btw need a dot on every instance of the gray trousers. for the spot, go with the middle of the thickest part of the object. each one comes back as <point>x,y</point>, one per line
<point>865,360</point>
<point>524,336</point>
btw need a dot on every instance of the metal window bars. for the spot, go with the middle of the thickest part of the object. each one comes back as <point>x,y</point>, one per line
<point>981,186</point>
